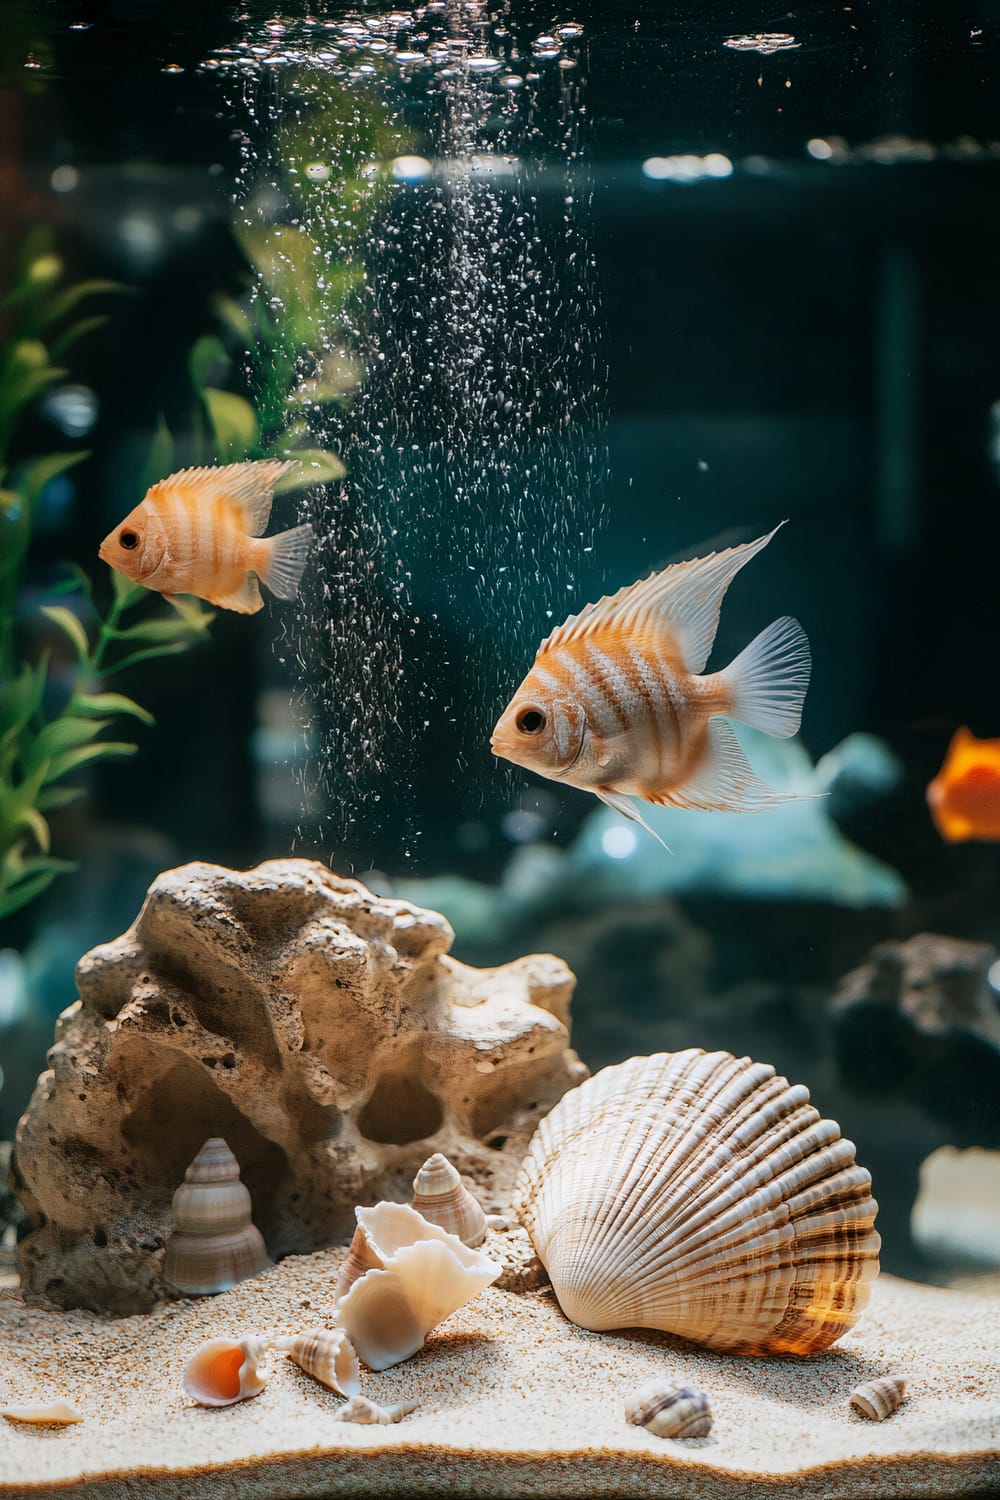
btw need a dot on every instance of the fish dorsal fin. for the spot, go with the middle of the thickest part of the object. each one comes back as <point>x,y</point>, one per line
<point>682,601</point>
<point>249,485</point>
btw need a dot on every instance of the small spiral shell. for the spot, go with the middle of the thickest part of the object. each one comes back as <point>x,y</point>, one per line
<point>326,1354</point>
<point>669,1411</point>
<point>440,1195</point>
<point>878,1399</point>
<point>360,1409</point>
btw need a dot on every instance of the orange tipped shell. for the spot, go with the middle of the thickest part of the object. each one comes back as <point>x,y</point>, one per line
<point>440,1195</point>
<point>222,1371</point>
<point>328,1356</point>
<point>215,1244</point>
<point>701,1194</point>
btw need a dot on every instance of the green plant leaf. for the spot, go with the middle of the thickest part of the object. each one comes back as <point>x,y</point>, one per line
<point>62,734</point>
<point>31,819</point>
<point>70,760</point>
<point>70,625</point>
<point>75,332</point>
<point>235,318</point>
<point>206,359</point>
<point>58,796</point>
<point>315,466</point>
<point>160,458</point>
<point>233,421</point>
<point>109,703</point>
<point>125,590</point>
<point>37,876</point>
<point>33,476</point>
<point>61,306</point>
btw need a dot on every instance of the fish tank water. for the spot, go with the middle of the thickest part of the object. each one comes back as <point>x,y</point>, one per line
<point>538,301</point>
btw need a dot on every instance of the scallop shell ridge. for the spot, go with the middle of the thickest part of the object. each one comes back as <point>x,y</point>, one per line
<point>701,1194</point>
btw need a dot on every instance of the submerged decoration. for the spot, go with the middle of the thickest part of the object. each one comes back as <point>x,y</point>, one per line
<point>323,1031</point>
<point>223,1371</point>
<point>878,1399</point>
<point>403,1277</point>
<point>668,1410</point>
<point>441,1197</point>
<point>327,1355</point>
<point>215,1244</point>
<point>701,1194</point>
<point>361,1409</point>
<point>56,1414</point>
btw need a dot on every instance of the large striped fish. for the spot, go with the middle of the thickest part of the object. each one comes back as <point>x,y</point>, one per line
<point>618,701</point>
<point>199,532</point>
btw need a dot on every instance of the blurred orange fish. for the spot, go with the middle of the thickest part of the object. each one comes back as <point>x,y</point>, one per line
<point>964,797</point>
<point>616,703</point>
<point>199,532</point>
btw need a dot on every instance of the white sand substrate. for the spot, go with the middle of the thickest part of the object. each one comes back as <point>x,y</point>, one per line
<point>513,1400</point>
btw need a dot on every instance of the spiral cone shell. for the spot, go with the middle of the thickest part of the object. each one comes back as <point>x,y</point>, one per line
<point>360,1409</point>
<point>328,1356</point>
<point>701,1194</point>
<point>215,1244</point>
<point>878,1399</point>
<point>222,1371</point>
<point>440,1195</point>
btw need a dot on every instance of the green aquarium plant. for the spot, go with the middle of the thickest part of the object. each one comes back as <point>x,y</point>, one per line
<point>53,724</point>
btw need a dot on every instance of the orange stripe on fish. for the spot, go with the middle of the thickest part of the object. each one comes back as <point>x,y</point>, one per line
<point>617,702</point>
<point>199,532</point>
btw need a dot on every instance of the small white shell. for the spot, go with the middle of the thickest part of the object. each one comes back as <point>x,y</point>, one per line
<point>878,1399</point>
<point>442,1197</point>
<point>421,1275</point>
<point>215,1244</point>
<point>56,1414</point>
<point>360,1409</point>
<point>668,1410</point>
<point>328,1356</point>
<point>221,1371</point>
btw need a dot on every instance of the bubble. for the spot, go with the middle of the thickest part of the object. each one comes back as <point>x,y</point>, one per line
<point>172,68</point>
<point>485,64</point>
<point>64,179</point>
<point>410,57</point>
<point>318,171</point>
<point>569,30</point>
<point>618,841</point>
<point>819,149</point>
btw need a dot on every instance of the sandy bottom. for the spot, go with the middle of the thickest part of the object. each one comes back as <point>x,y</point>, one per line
<point>513,1400</point>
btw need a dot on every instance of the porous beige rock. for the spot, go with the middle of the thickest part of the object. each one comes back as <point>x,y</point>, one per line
<point>323,1031</point>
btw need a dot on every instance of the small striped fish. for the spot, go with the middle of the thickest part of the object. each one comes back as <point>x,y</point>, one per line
<point>617,703</point>
<point>199,532</point>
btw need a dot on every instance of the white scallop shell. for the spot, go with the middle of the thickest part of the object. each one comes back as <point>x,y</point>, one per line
<point>57,1414</point>
<point>701,1194</point>
<point>222,1371</point>
<point>878,1399</point>
<point>214,1244</point>
<point>442,1197</point>
<point>421,1275</point>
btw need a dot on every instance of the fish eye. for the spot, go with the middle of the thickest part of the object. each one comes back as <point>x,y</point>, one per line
<point>530,720</point>
<point>129,540</point>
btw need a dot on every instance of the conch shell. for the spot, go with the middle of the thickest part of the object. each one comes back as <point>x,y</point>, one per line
<point>214,1244</point>
<point>328,1356</point>
<point>418,1275</point>
<point>701,1194</point>
<point>360,1409</point>
<point>878,1399</point>
<point>222,1371</point>
<point>668,1410</point>
<point>442,1197</point>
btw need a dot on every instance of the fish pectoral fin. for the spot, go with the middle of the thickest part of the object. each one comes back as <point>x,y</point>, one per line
<point>620,802</point>
<point>246,600</point>
<point>725,781</point>
<point>679,604</point>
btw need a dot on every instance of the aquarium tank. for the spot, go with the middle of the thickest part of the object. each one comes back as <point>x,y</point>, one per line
<point>514,307</point>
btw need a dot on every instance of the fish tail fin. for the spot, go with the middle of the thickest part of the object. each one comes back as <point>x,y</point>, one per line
<point>285,560</point>
<point>767,682</point>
